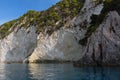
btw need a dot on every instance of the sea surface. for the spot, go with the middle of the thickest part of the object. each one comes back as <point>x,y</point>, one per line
<point>56,72</point>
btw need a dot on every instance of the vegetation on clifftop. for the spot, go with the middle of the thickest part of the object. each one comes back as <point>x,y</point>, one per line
<point>52,19</point>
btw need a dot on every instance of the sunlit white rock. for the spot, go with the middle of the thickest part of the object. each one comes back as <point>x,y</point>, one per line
<point>61,45</point>
<point>18,45</point>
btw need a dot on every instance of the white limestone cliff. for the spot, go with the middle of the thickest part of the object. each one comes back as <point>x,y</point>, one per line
<point>18,45</point>
<point>63,45</point>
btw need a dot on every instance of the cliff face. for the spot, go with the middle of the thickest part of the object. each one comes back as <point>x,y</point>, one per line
<point>91,36</point>
<point>101,41</point>
<point>103,46</point>
<point>63,45</point>
<point>18,45</point>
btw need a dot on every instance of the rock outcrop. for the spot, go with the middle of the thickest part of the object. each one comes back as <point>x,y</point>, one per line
<point>103,46</point>
<point>61,46</point>
<point>18,45</point>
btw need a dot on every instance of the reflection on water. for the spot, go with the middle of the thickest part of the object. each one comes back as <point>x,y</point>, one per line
<point>14,72</point>
<point>56,72</point>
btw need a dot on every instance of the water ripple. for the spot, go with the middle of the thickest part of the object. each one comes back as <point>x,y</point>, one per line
<point>57,72</point>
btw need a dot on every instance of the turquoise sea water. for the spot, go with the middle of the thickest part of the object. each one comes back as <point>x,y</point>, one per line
<point>57,72</point>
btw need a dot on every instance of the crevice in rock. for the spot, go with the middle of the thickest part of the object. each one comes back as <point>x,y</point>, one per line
<point>93,55</point>
<point>101,52</point>
<point>113,29</point>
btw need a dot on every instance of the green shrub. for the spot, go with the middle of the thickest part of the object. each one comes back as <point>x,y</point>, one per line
<point>44,19</point>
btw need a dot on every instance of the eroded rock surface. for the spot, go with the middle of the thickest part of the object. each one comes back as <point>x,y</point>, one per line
<point>103,47</point>
<point>18,45</point>
<point>61,45</point>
